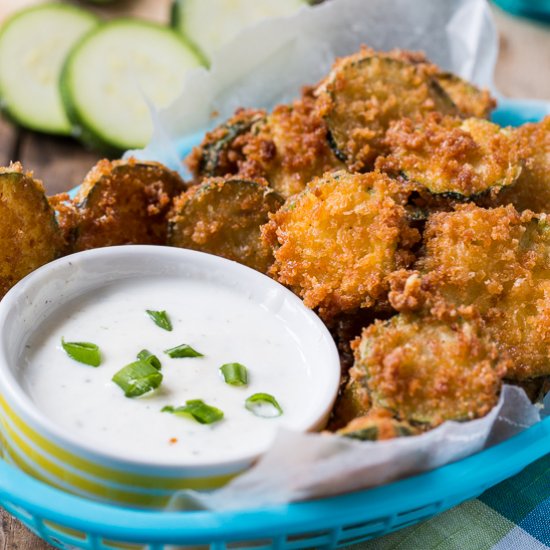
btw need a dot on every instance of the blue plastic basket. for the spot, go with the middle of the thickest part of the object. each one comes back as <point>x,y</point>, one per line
<point>68,522</point>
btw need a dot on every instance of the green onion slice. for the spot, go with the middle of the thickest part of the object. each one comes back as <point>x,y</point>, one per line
<point>83,352</point>
<point>234,374</point>
<point>137,378</point>
<point>146,356</point>
<point>264,405</point>
<point>160,318</point>
<point>198,410</point>
<point>182,351</point>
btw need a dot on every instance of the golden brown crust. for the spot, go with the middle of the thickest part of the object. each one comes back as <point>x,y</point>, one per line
<point>29,234</point>
<point>291,148</point>
<point>446,155</point>
<point>67,218</point>
<point>223,217</point>
<point>220,151</point>
<point>125,202</point>
<point>470,100</point>
<point>377,425</point>
<point>427,371</point>
<point>496,261</point>
<point>532,190</point>
<point>336,243</point>
<point>366,92</point>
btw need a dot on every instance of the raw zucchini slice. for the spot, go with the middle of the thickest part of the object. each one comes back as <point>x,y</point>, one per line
<point>112,71</point>
<point>29,235</point>
<point>426,371</point>
<point>223,217</point>
<point>124,202</point>
<point>210,24</point>
<point>34,44</point>
<point>363,96</point>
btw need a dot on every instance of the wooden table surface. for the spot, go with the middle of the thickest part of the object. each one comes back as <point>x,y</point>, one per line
<point>522,71</point>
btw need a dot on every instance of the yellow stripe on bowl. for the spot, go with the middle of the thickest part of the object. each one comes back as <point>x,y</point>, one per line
<point>120,477</point>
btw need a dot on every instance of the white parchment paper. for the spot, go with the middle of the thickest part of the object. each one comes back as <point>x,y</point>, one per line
<point>268,64</point>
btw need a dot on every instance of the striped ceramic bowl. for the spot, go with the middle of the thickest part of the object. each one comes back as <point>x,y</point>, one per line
<point>42,449</point>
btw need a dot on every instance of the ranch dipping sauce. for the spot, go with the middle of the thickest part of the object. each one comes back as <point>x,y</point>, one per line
<point>222,324</point>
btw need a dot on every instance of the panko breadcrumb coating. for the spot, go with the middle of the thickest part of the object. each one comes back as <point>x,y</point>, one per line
<point>336,242</point>
<point>220,151</point>
<point>377,425</point>
<point>287,147</point>
<point>532,190</point>
<point>450,156</point>
<point>497,261</point>
<point>29,234</point>
<point>470,100</point>
<point>125,202</point>
<point>426,371</point>
<point>223,217</point>
<point>365,92</point>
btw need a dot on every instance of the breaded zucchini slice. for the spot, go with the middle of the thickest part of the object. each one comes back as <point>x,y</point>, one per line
<point>223,217</point>
<point>470,100</point>
<point>29,234</point>
<point>377,425</point>
<point>291,148</point>
<point>352,402</point>
<point>426,371</point>
<point>496,260</point>
<point>221,150</point>
<point>337,241</point>
<point>473,255</point>
<point>520,322</point>
<point>125,202</point>
<point>364,94</point>
<point>457,158</point>
<point>532,189</point>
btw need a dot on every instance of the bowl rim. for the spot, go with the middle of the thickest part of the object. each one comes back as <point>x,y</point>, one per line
<point>24,407</point>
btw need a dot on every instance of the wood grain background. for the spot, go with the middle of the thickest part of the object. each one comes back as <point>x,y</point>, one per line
<point>522,71</point>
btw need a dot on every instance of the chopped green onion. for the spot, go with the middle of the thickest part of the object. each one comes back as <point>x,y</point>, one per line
<point>146,356</point>
<point>137,378</point>
<point>182,351</point>
<point>160,318</point>
<point>83,352</point>
<point>234,374</point>
<point>198,410</point>
<point>264,405</point>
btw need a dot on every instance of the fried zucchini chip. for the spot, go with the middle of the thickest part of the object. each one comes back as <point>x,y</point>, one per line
<point>29,234</point>
<point>287,147</point>
<point>532,190</point>
<point>377,425</point>
<point>291,148</point>
<point>497,261</point>
<point>125,202</point>
<point>220,152</point>
<point>460,159</point>
<point>426,371</point>
<point>520,323</point>
<point>352,402</point>
<point>223,217</point>
<point>67,217</point>
<point>473,255</point>
<point>470,100</point>
<point>336,242</point>
<point>365,93</point>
